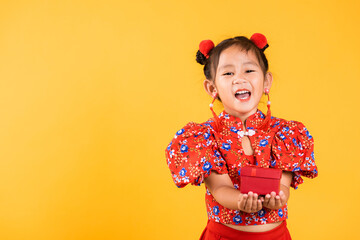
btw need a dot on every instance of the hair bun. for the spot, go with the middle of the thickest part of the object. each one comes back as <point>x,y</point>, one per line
<point>260,41</point>
<point>202,54</point>
<point>200,58</point>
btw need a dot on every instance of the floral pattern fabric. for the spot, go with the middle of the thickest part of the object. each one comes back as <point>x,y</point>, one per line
<point>198,149</point>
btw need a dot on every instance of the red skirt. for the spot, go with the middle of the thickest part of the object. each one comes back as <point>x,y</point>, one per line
<point>217,231</point>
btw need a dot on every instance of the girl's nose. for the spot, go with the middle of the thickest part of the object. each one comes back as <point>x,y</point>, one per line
<point>239,79</point>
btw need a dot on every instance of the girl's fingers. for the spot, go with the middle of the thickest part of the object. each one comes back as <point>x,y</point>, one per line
<point>259,205</point>
<point>277,201</point>
<point>243,201</point>
<point>267,199</point>
<point>249,201</point>
<point>254,202</point>
<point>239,203</point>
<point>282,197</point>
<point>272,199</point>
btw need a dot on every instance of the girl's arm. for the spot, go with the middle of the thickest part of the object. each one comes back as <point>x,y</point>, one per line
<point>272,201</point>
<point>222,189</point>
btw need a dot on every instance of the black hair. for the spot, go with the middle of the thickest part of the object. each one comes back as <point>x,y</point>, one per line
<point>211,63</point>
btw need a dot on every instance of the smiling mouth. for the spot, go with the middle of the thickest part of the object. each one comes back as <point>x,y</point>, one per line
<point>243,95</point>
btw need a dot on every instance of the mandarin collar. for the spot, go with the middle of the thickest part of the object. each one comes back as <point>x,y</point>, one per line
<point>252,122</point>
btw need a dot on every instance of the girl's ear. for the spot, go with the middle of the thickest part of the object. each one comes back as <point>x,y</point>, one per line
<point>210,87</point>
<point>268,80</point>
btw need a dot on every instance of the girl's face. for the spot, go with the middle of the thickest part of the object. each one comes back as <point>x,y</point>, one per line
<point>239,81</point>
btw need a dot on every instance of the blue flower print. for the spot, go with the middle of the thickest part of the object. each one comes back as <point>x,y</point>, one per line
<point>182,172</point>
<point>263,143</point>
<point>181,131</point>
<point>263,220</point>
<point>294,141</point>
<point>261,213</point>
<point>300,146</point>
<point>184,148</point>
<point>312,156</point>
<point>233,129</point>
<point>280,213</point>
<point>237,219</point>
<point>206,135</point>
<point>226,146</point>
<point>207,166</point>
<point>308,134</point>
<point>296,169</point>
<point>315,171</point>
<point>273,163</point>
<point>171,153</point>
<point>262,115</point>
<point>286,129</point>
<point>169,146</point>
<point>282,136</point>
<point>217,154</point>
<point>216,210</point>
<point>276,124</point>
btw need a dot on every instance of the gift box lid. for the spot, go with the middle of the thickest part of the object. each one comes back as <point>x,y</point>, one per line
<point>261,172</point>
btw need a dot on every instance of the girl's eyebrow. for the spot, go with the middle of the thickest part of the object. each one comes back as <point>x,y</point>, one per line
<point>251,63</point>
<point>245,63</point>
<point>225,66</point>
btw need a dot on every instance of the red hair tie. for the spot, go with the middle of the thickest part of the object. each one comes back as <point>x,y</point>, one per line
<point>260,41</point>
<point>205,47</point>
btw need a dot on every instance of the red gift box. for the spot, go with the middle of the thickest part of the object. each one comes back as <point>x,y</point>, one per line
<point>260,180</point>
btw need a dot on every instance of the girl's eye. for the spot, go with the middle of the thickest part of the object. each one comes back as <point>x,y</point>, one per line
<point>228,73</point>
<point>250,71</point>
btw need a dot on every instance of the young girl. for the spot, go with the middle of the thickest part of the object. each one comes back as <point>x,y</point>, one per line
<point>214,152</point>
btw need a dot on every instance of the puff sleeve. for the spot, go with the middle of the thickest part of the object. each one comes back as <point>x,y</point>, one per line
<point>193,154</point>
<point>293,150</point>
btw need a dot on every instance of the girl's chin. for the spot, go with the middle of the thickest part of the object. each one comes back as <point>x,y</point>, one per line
<point>246,108</point>
<point>241,112</point>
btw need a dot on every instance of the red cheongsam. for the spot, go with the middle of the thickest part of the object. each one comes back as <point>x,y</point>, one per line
<point>198,149</point>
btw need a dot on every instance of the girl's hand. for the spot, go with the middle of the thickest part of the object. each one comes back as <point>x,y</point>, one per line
<point>273,201</point>
<point>249,203</point>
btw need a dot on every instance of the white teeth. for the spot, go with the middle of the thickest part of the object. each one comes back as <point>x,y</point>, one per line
<point>241,92</point>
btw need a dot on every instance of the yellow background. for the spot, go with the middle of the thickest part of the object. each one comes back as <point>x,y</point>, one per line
<point>92,92</point>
